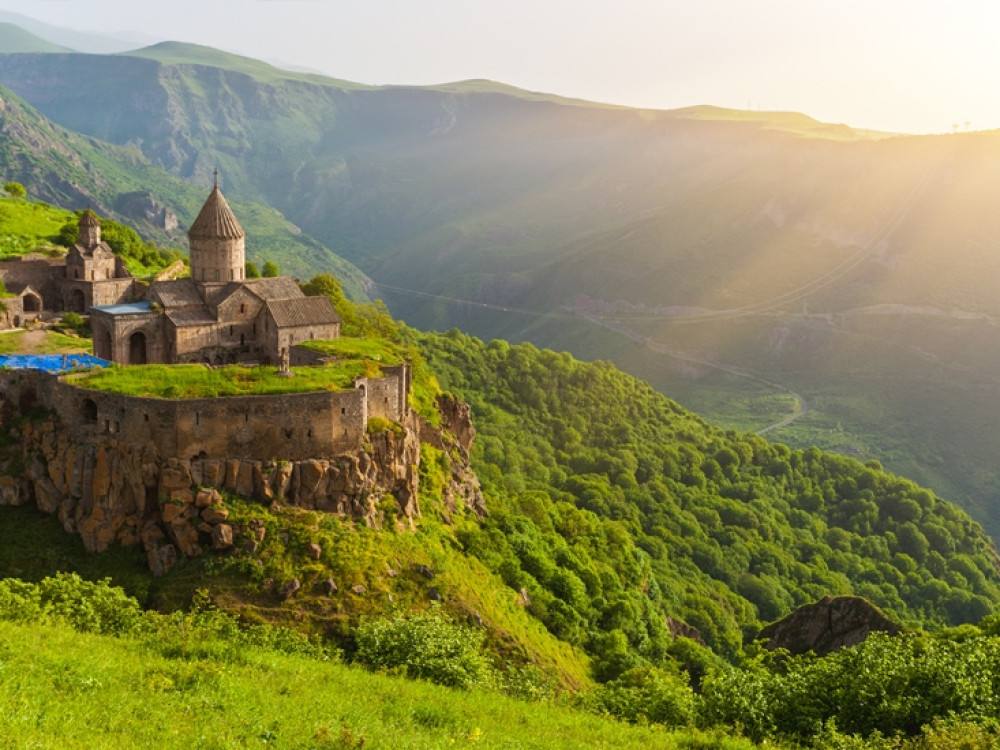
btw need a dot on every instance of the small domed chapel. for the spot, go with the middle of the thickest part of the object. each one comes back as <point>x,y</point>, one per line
<point>216,315</point>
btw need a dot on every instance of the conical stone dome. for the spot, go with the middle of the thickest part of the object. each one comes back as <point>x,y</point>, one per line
<point>217,243</point>
<point>216,220</point>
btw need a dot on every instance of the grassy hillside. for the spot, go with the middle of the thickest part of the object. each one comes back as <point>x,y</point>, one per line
<point>26,226</point>
<point>616,519</point>
<point>262,697</point>
<point>181,53</point>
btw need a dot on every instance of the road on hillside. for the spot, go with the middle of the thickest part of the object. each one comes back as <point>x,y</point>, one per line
<point>800,408</point>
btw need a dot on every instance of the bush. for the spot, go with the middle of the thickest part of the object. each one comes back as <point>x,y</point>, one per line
<point>380,424</point>
<point>645,695</point>
<point>83,605</point>
<point>427,646</point>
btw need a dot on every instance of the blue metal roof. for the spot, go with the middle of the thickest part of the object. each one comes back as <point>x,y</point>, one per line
<point>129,308</point>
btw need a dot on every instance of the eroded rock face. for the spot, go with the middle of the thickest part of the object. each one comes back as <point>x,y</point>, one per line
<point>678,628</point>
<point>108,490</point>
<point>455,438</point>
<point>828,625</point>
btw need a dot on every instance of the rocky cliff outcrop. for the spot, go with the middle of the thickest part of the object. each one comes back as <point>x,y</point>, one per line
<point>142,207</point>
<point>828,625</point>
<point>455,439</point>
<point>108,491</point>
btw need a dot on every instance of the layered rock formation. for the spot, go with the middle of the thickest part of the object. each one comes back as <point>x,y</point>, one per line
<point>107,490</point>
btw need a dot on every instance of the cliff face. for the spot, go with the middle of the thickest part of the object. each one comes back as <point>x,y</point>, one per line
<point>107,490</point>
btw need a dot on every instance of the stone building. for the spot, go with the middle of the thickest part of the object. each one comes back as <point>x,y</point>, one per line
<point>215,316</point>
<point>90,274</point>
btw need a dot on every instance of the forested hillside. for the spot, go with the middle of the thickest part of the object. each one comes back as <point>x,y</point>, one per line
<point>614,507</point>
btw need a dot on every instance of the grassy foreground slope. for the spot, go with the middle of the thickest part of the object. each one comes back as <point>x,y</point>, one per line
<point>60,688</point>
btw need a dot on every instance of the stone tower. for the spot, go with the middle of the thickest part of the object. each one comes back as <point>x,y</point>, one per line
<point>90,230</point>
<point>217,242</point>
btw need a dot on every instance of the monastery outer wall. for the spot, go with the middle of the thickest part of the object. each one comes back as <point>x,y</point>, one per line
<point>39,273</point>
<point>387,395</point>
<point>294,426</point>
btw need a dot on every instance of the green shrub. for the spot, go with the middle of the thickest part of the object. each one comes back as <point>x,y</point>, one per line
<point>380,424</point>
<point>426,646</point>
<point>645,694</point>
<point>15,189</point>
<point>85,606</point>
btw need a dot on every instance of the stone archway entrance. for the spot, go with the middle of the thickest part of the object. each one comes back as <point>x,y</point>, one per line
<point>77,301</point>
<point>137,349</point>
<point>31,303</point>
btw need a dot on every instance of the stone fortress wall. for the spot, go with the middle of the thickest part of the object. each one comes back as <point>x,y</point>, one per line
<point>292,426</point>
<point>129,470</point>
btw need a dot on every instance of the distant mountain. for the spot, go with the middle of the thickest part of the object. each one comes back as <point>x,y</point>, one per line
<point>732,258</point>
<point>15,39</point>
<point>80,41</point>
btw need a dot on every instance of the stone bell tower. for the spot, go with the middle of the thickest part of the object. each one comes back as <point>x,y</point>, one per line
<point>90,230</point>
<point>217,242</point>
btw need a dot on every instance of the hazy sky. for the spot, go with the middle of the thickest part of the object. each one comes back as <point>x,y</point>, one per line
<point>902,65</point>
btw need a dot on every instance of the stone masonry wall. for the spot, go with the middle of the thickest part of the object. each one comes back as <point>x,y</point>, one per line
<point>255,428</point>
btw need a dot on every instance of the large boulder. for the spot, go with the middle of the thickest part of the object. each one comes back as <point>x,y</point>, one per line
<point>828,625</point>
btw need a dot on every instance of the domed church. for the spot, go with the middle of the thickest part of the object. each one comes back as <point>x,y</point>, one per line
<point>216,316</point>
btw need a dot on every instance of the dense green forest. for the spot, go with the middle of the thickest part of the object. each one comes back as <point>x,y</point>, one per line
<point>613,507</point>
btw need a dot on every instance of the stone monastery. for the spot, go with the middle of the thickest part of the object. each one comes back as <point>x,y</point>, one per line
<point>117,468</point>
<point>216,316</point>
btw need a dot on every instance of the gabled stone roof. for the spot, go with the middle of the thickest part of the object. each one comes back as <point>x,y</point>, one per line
<point>176,293</point>
<point>304,311</point>
<point>277,287</point>
<point>185,318</point>
<point>216,220</point>
<point>89,252</point>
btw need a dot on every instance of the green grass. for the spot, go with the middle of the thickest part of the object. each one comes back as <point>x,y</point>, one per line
<point>27,227</point>
<point>60,689</point>
<point>181,53</point>
<point>198,381</point>
<point>15,39</point>
<point>48,342</point>
<point>34,545</point>
<point>788,122</point>
<point>377,350</point>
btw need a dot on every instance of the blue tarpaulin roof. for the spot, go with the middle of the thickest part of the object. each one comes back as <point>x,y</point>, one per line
<point>54,363</point>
